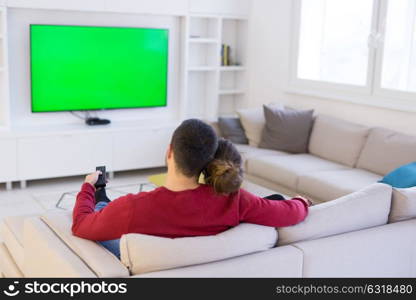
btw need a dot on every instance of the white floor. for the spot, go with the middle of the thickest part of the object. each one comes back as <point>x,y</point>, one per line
<point>42,195</point>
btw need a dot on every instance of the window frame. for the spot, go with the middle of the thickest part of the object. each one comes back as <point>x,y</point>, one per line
<point>372,93</point>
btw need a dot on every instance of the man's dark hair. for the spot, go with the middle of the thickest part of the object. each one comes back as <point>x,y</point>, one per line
<point>194,144</point>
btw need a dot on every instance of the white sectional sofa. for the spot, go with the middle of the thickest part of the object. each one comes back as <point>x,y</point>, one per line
<point>354,235</point>
<point>348,237</point>
<point>343,157</point>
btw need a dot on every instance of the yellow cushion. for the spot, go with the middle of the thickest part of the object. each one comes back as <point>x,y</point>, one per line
<point>157,179</point>
<point>160,179</point>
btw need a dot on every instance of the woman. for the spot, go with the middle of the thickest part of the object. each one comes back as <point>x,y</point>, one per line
<point>183,207</point>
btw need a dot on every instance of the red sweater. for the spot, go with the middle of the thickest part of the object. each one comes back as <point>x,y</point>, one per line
<point>165,213</point>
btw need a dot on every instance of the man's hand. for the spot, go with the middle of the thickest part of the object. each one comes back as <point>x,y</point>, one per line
<point>306,200</point>
<point>92,178</point>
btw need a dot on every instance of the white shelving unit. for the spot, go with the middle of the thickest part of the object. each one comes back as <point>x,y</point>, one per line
<point>205,90</point>
<point>4,80</point>
<point>212,89</point>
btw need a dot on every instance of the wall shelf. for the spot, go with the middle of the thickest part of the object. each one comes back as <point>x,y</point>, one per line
<point>231,92</point>
<point>232,68</point>
<point>203,40</point>
<point>208,83</point>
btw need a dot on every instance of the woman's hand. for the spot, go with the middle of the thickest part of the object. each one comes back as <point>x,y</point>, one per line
<point>92,178</point>
<point>306,200</point>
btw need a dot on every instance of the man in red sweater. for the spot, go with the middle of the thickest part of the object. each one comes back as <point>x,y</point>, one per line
<point>182,207</point>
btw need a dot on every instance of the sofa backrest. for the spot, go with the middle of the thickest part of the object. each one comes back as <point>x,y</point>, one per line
<point>337,140</point>
<point>382,251</point>
<point>368,207</point>
<point>285,261</point>
<point>143,253</point>
<point>386,150</point>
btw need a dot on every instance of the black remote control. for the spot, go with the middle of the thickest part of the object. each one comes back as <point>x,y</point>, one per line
<point>102,179</point>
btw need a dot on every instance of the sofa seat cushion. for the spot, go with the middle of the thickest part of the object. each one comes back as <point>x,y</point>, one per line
<point>368,207</point>
<point>278,262</point>
<point>143,253</point>
<point>286,169</point>
<point>97,258</point>
<point>386,150</point>
<point>11,231</point>
<point>337,140</point>
<point>329,185</point>
<point>248,152</point>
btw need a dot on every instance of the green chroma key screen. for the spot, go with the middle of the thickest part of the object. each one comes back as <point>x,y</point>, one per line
<point>89,68</point>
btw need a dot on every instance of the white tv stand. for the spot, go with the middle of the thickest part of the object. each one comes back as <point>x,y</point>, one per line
<point>77,149</point>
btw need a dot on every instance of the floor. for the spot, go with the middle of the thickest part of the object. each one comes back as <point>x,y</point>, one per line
<point>42,195</point>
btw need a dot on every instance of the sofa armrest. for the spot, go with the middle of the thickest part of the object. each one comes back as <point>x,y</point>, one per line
<point>101,261</point>
<point>8,267</point>
<point>45,255</point>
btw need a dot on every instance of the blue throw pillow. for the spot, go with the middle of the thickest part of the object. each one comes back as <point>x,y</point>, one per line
<point>402,177</point>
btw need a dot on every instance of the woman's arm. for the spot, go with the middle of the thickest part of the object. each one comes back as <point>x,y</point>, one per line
<point>256,210</point>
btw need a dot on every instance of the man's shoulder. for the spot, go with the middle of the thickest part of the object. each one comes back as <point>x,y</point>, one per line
<point>147,194</point>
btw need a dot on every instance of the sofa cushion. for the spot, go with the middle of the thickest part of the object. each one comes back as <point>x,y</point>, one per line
<point>258,190</point>
<point>11,231</point>
<point>100,260</point>
<point>231,129</point>
<point>247,151</point>
<point>253,122</point>
<point>143,253</point>
<point>278,262</point>
<point>329,185</point>
<point>363,209</point>
<point>386,150</point>
<point>403,205</point>
<point>382,251</point>
<point>286,169</point>
<point>402,177</point>
<point>337,140</point>
<point>286,129</point>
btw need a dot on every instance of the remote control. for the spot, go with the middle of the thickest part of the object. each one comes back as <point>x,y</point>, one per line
<point>101,182</point>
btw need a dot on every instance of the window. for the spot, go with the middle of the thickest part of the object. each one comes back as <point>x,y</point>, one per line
<point>362,49</point>
<point>333,40</point>
<point>399,53</point>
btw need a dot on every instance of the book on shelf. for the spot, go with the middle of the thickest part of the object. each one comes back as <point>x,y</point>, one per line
<point>225,55</point>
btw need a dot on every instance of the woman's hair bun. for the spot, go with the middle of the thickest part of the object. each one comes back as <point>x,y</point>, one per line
<point>224,176</point>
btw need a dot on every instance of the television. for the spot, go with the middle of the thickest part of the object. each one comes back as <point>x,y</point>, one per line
<point>77,68</point>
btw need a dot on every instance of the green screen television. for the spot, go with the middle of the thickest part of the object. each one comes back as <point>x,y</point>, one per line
<point>91,68</point>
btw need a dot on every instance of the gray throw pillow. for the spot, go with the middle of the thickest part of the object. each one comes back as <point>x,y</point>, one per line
<point>286,129</point>
<point>232,130</point>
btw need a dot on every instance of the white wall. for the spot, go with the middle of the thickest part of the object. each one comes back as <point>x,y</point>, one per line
<point>19,63</point>
<point>269,40</point>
